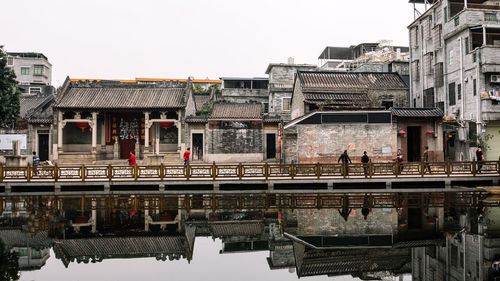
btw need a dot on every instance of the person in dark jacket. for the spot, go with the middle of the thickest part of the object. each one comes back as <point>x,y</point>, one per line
<point>345,161</point>
<point>365,160</point>
<point>427,166</point>
<point>479,159</point>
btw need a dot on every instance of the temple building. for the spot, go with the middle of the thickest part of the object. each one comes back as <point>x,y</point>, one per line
<point>107,119</point>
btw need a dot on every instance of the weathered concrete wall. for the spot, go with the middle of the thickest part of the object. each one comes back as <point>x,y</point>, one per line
<point>329,222</point>
<point>235,141</point>
<point>297,102</point>
<point>245,95</point>
<point>399,97</point>
<point>324,143</point>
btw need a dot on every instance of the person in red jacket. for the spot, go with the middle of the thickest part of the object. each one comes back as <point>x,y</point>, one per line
<point>186,156</point>
<point>131,159</point>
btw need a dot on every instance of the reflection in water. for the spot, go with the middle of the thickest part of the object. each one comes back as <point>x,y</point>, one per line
<point>432,236</point>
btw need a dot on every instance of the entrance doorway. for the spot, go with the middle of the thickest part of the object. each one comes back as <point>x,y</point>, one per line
<point>414,218</point>
<point>126,146</point>
<point>270,146</point>
<point>43,147</point>
<point>197,147</point>
<point>413,144</point>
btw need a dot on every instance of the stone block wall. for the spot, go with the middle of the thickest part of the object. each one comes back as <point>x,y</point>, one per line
<point>329,222</point>
<point>324,143</point>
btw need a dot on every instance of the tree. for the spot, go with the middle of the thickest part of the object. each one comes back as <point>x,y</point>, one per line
<point>9,93</point>
<point>9,264</point>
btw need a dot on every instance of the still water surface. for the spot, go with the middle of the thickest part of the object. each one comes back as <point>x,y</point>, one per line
<point>420,236</point>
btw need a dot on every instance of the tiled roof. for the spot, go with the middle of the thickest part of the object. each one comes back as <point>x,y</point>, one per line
<point>201,99</point>
<point>236,228</point>
<point>417,112</point>
<point>236,111</point>
<point>122,98</point>
<point>17,238</point>
<point>29,103</point>
<point>337,98</point>
<point>107,247</point>
<point>349,80</point>
<point>319,262</point>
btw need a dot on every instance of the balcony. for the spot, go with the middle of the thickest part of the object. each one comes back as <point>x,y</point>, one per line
<point>490,108</point>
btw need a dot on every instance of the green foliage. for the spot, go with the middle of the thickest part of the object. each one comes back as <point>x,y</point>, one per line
<point>206,109</point>
<point>199,89</point>
<point>480,140</point>
<point>218,91</point>
<point>9,93</point>
<point>9,264</point>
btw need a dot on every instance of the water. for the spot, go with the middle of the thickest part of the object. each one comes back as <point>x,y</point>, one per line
<point>197,237</point>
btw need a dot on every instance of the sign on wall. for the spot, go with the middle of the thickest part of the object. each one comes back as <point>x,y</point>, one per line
<point>6,141</point>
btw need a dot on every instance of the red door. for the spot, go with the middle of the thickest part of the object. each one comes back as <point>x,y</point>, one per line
<point>126,145</point>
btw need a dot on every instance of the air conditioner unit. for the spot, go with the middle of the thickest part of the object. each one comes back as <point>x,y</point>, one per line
<point>495,78</point>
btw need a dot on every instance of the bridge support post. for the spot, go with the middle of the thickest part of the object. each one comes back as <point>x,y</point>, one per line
<point>329,185</point>
<point>8,188</point>
<point>107,187</point>
<point>57,188</point>
<point>388,185</point>
<point>447,184</point>
<point>216,186</point>
<point>161,187</point>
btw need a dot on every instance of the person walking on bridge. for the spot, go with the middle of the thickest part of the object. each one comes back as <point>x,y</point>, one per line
<point>345,161</point>
<point>365,160</point>
<point>131,159</point>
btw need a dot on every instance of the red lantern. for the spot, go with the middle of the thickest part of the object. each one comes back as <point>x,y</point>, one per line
<point>82,125</point>
<point>430,132</point>
<point>166,125</point>
<point>401,132</point>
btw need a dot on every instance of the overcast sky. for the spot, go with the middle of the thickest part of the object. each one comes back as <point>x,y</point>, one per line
<point>175,39</point>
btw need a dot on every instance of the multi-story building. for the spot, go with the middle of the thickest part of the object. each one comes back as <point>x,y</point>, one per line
<point>246,90</point>
<point>281,77</point>
<point>33,72</point>
<point>455,65</point>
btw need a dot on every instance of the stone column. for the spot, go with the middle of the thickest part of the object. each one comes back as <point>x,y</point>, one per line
<point>157,138</point>
<point>179,131</point>
<point>94,216</point>
<point>60,126</point>
<point>93,125</point>
<point>147,125</point>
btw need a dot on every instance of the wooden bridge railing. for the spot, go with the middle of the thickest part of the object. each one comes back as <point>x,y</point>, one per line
<point>245,171</point>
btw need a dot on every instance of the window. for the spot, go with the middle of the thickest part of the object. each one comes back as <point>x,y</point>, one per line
<point>454,255</point>
<point>467,48</point>
<point>474,87</point>
<point>429,97</point>
<point>474,57</point>
<point>461,260</point>
<point>25,71</point>
<point>10,61</point>
<point>437,36</point>
<point>429,63</point>
<point>450,57</point>
<point>38,70</point>
<point>439,77</point>
<point>414,102</point>
<point>387,104</point>
<point>457,21</point>
<point>451,93</point>
<point>445,13</point>
<point>35,90</point>
<point>415,70</point>
<point>490,17</point>
<point>414,37</point>
<point>266,107</point>
<point>286,104</point>
<point>459,91</point>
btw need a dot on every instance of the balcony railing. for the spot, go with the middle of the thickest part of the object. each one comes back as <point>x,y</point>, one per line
<point>242,172</point>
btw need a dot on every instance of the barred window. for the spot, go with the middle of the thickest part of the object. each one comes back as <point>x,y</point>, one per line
<point>451,94</point>
<point>415,70</point>
<point>439,82</point>
<point>490,17</point>
<point>414,37</point>
<point>437,31</point>
<point>429,61</point>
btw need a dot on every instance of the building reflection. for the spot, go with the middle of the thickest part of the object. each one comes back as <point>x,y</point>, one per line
<point>366,235</point>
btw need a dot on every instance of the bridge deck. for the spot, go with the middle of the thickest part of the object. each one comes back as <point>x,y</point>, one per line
<point>249,172</point>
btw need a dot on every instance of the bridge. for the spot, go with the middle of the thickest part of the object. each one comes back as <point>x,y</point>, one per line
<point>270,177</point>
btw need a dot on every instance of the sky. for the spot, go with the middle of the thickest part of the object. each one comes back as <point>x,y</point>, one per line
<point>207,264</point>
<point>104,39</point>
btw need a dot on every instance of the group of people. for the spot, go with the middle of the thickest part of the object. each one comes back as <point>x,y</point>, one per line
<point>186,156</point>
<point>344,157</point>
